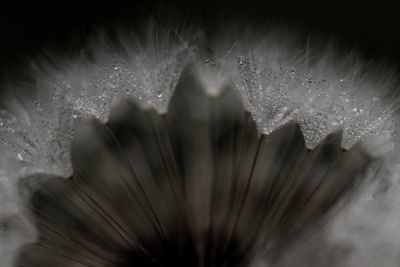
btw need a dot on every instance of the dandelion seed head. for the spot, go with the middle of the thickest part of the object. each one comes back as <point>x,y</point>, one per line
<point>277,83</point>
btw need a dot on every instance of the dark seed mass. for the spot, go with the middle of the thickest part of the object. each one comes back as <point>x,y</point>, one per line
<point>197,186</point>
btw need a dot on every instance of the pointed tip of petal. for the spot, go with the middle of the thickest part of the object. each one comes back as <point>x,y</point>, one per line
<point>335,137</point>
<point>291,128</point>
<point>120,106</point>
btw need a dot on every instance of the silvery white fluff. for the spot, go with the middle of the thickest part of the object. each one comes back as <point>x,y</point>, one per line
<point>278,79</point>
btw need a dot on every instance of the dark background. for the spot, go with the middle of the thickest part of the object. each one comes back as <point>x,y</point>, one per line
<point>372,28</point>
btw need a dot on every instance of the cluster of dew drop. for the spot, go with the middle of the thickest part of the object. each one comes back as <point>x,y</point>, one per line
<point>40,130</point>
<point>36,132</point>
<point>37,128</point>
<point>35,135</point>
<point>276,92</point>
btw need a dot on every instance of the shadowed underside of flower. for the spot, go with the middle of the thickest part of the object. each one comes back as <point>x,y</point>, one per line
<point>197,186</point>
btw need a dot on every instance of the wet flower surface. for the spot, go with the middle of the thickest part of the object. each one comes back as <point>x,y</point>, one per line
<point>167,146</point>
<point>199,185</point>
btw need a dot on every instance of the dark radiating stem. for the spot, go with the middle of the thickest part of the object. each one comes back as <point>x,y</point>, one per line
<point>166,152</point>
<point>130,167</point>
<point>247,188</point>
